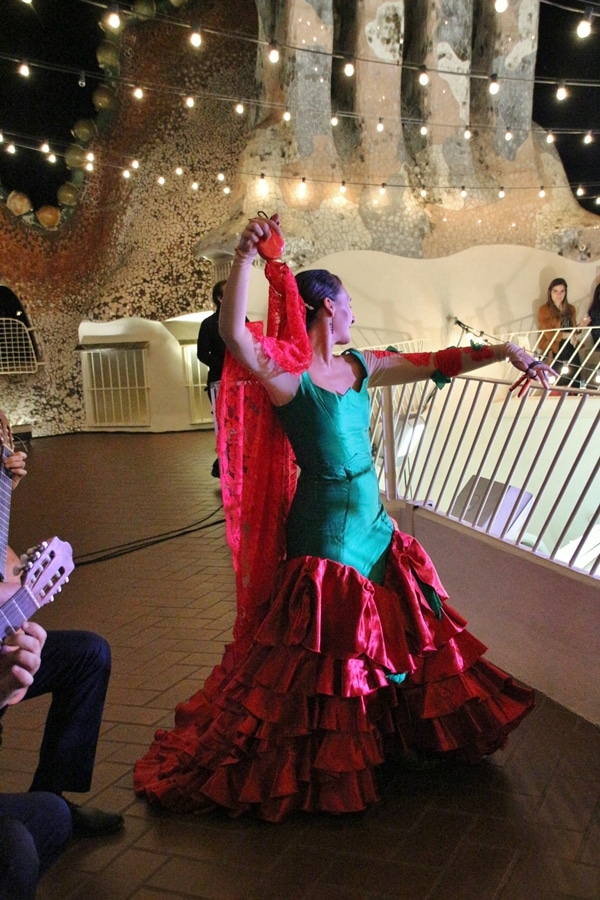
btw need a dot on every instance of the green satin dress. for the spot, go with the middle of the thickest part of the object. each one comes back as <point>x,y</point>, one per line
<point>336,512</point>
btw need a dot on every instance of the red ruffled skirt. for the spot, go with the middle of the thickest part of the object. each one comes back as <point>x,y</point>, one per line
<point>302,720</point>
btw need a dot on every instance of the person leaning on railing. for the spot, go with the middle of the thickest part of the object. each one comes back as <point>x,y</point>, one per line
<point>557,318</point>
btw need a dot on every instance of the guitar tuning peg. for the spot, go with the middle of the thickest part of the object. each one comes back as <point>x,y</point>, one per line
<point>17,570</point>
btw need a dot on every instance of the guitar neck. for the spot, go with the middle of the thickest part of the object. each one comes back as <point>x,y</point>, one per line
<point>21,606</point>
<point>5,497</point>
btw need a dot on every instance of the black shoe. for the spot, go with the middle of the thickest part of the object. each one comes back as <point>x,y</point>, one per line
<point>215,471</point>
<point>91,822</point>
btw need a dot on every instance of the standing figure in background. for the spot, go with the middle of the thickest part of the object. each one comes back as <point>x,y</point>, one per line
<point>345,651</point>
<point>556,317</point>
<point>211,352</point>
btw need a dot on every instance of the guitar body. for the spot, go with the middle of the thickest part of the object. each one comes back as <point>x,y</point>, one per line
<point>40,573</point>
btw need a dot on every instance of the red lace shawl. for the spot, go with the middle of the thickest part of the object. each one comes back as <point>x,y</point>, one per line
<point>258,473</point>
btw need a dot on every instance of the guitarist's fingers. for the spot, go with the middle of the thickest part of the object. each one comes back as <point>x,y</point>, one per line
<point>15,463</point>
<point>30,638</point>
<point>36,632</point>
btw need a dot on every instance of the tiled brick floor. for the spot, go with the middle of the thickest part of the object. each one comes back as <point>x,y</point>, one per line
<point>524,824</point>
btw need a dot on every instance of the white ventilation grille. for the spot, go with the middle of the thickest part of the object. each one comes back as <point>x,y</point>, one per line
<point>17,352</point>
<point>115,385</point>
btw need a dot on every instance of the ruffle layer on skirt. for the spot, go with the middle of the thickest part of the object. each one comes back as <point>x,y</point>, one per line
<point>301,722</point>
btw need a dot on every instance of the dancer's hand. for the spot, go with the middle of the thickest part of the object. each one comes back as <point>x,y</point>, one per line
<point>534,369</point>
<point>256,230</point>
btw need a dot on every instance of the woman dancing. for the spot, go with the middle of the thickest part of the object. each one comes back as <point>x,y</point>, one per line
<point>344,649</point>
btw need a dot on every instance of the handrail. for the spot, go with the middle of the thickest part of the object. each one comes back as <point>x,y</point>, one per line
<point>573,352</point>
<point>525,471</point>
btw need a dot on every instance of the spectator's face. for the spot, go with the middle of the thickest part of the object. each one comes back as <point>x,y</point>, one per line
<point>558,294</point>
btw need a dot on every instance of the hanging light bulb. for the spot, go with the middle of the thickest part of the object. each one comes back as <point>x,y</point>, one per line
<point>597,201</point>
<point>220,177</point>
<point>463,192</point>
<point>580,191</point>
<point>380,124</point>
<point>561,91</point>
<point>423,130</point>
<point>51,157</point>
<point>135,164</point>
<point>493,86</point>
<point>190,102</point>
<point>195,38</point>
<point>45,147</point>
<point>423,193</point>
<point>10,148</point>
<point>549,138</point>
<point>501,6</point>
<point>239,109</point>
<point>138,93</point>
<point>195,185</point>
<point>179,171</point>
<point>467,134</point>
<point>584,28</point>
<point>302,188</point>
<point>1,138</point>
<point>226,189</point>
<point>383,188</point>
<point>81,79</point>
<point>509,135</point>
<point>287,116</point>
<point>113,20</point>
<point>273,52</point>
<point>334,120</point>
<point>343,187</point>
<point>126,173</point>
<point>160,180</point>
<point>349,67</point>
<point>89,156</point>
<point>262,188</point>
<point>24,70</point>
<point>588,138</point>
<point>542,192</point>
<point>423,76</point>
<point>89,166</point>
<point>501,193</point>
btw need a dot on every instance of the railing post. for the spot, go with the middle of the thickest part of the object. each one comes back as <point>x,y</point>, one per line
<point>389,448</point>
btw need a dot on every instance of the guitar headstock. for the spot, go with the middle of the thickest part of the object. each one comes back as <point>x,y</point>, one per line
<point>6,438</point>
<point>46,568</point>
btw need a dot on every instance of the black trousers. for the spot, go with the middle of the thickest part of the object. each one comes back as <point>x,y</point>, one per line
<point>34,829</point>
<point>75,670</point>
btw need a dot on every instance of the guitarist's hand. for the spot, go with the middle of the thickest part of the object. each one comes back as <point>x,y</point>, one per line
<point>15,463</point>
<point>20,658</point>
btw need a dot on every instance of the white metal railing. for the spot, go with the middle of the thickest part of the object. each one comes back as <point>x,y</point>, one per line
<point>573,352</point>
<point>525,471</point>
<point>115,385</point>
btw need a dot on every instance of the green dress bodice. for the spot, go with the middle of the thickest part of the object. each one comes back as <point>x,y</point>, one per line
<point>336,512</point>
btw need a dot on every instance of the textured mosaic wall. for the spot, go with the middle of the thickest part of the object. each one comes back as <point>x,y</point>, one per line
<point>127,248</point>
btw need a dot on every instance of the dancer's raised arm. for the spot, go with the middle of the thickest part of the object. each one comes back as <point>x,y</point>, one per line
<point>280,385</point>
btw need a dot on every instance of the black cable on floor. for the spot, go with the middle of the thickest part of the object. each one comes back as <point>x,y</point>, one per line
<point>119,550</point>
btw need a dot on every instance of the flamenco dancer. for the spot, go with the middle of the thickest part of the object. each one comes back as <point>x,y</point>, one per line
<point>344,648</point>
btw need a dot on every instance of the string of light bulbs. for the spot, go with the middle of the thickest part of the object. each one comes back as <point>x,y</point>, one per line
<point>189,99</point>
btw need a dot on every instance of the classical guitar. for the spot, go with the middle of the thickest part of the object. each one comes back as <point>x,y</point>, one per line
<point>6,443</point>
<point>44,570</point>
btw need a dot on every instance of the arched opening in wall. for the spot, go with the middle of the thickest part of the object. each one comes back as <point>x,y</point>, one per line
<point>19,350</point>
<point>347,132</point>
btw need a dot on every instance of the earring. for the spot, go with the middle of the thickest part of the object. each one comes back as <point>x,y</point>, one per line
<point>331,324</point>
